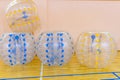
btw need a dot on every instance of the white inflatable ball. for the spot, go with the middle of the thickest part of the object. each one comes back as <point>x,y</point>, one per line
<point>17,48</point>
<point>22,16</point>
<point>95,50</point>
<point>55,48</point>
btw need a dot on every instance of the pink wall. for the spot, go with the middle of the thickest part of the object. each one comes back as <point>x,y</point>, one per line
<point>74,16</point>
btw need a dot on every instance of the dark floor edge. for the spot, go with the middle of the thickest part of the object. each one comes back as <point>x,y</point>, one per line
<point>63,75</point>
<point>110,79</point>
<point>115,75</point>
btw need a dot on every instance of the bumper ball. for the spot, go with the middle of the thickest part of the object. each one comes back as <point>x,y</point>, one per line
<point>95,50</point>
<point>22,16</point>
<point>17,48</point>
<point>54,48</point>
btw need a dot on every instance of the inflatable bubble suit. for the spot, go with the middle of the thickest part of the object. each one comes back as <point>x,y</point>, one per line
<point>95,50</point>
<point>17,48</point>
<point>54,48</point>
<point>22,16</point>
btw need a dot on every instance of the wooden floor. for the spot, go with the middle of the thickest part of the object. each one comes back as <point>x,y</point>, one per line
<point>71,71</point>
